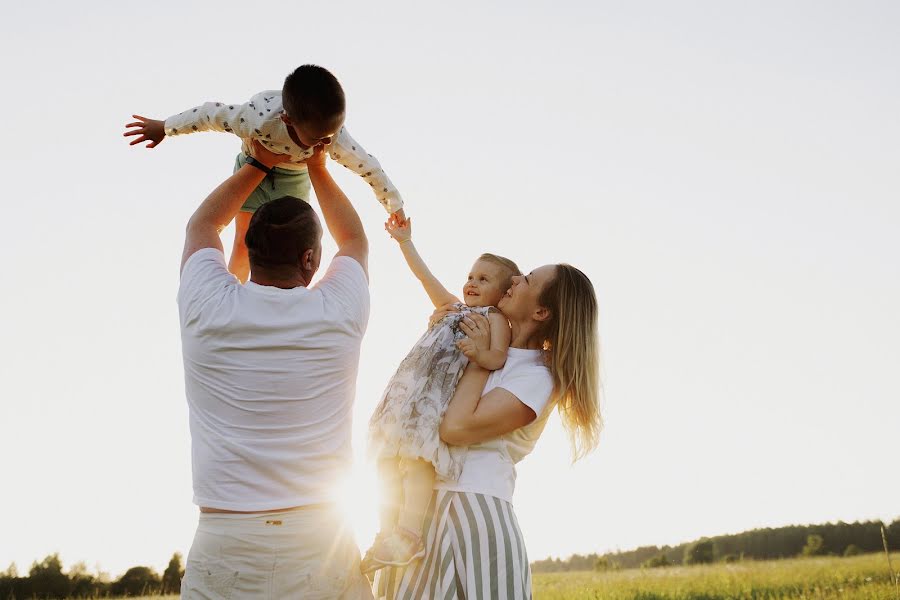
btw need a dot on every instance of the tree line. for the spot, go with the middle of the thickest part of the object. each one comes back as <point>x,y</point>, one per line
<point>836,539</point>
<point>46,579</point>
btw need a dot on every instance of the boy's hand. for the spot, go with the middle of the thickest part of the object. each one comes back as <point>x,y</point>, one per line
<point>150,130</point>
<point>265,156</point>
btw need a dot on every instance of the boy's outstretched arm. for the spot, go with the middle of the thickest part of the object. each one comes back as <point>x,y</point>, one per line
<point>248,120</point>
<point>150,130</point>
<point>401,230</point>
<point>349,153</point>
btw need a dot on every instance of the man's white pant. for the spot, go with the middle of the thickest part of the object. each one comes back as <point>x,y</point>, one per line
<point>302,553</point>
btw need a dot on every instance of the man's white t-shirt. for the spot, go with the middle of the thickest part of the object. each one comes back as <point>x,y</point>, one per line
<point>490,466</point>
<point>270,378</point>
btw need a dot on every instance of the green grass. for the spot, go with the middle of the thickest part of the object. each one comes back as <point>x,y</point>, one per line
<point>857,578</point>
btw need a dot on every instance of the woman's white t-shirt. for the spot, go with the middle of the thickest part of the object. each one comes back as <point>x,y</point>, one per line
<point>490,466</point>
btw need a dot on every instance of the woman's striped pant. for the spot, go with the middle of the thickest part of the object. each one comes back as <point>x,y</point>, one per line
<point>474,550</point>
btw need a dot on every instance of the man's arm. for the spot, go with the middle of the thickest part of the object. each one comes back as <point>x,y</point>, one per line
<point>347,151</point>
<point>220,207</point>
<point>340,217</point>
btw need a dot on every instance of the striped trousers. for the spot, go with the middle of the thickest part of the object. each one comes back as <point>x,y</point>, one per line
<point>473,550</point>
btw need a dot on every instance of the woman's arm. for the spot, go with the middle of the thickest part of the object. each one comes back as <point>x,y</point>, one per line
<point>472,418</point>
<point>401,230</point>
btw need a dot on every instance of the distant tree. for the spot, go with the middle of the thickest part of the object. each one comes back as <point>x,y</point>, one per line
<point>47,579</point>
<point>171,579</point>
<point>659,560</point>
<point>137,581</point>
<point>893,535</point>
<point>815,545</point>
<point>602,564</point>
<point>731,558</point>
<point>101,576</point>
<point>12,571</point>
<point>852,550</point>
<point>701,552</point>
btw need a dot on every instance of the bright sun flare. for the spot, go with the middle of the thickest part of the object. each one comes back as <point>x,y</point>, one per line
<point>358,500</point>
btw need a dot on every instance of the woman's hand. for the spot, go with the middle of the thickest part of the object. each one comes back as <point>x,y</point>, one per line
<point>266,156</point>
<point>478,331</point>
<point>150,130</point>
<point>399,228</point>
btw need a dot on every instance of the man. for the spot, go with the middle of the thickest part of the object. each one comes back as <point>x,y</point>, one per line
<point>270,373</point>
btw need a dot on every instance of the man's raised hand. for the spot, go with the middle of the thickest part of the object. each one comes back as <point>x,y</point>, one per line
<point>150,130</point>
<point>266,156</point>
<point>317,160</point>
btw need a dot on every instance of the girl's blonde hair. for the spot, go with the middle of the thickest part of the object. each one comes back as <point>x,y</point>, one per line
<point>510,268</point>
<point>573,351</point>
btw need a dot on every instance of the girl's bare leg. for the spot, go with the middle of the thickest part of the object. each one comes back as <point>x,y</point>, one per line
<point>239,265</point>
<point>418,486</point>
<point>391,492</point>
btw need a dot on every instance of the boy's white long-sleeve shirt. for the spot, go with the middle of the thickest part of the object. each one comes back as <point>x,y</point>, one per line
<point>260,119</point>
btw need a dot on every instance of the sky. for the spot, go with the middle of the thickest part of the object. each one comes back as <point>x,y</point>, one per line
<point>724,172</point>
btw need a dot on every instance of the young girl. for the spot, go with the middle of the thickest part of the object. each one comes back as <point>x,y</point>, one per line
<point>403,431</point>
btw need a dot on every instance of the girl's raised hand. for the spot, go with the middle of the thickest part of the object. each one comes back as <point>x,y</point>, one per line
<point>399,228</point>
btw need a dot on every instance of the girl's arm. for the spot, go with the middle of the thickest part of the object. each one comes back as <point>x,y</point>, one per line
<point>489,351</point>
<point>401,230</point>
<point>495,357</point>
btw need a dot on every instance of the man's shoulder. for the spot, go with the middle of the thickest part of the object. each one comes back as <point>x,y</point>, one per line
<point>345,270</point>
<point>203,270</point>
<point>345,290</point>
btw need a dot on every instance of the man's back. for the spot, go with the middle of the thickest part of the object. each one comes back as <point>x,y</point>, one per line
<point>270,378</point>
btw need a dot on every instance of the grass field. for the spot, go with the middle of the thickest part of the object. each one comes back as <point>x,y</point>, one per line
<point>857,578</point>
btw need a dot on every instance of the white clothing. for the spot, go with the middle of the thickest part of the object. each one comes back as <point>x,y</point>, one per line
<point>270,379</point>
<point>308,553</point>
<point>490,466</point>
<point>405,423</point>
<point>260,119</point>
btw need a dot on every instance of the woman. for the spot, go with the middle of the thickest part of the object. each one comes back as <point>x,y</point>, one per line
<point>473,544</point>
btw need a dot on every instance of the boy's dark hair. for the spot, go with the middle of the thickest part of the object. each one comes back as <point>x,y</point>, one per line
<point>312,95</point>
<point>280,232</point>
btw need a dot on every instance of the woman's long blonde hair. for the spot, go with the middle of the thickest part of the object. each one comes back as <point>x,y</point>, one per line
<point>573,350</point>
